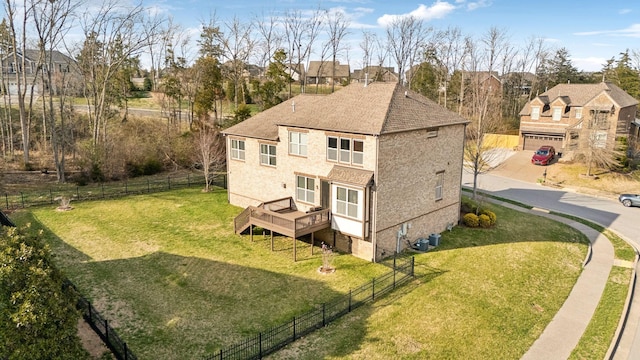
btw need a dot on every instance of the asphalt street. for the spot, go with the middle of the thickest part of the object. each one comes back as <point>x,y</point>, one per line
<point>606,212</point>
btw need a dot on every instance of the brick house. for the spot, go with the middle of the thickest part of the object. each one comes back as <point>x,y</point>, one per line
<point>567,115</point>
<point>320,72</point>
<point>366,169</point>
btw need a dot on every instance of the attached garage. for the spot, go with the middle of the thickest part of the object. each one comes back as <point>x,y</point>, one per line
<point>534,141</point>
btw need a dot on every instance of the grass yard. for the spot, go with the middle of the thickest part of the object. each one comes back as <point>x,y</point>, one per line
<point>175,282</point>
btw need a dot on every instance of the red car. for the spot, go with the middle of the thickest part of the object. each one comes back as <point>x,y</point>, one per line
<point>544,155</point>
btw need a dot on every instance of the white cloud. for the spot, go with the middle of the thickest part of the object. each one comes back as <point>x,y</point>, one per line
<point>478,4</point>
<point>631,31</point>
<point>591,63</point>
<point>624,11</point>
<point>438,10</point>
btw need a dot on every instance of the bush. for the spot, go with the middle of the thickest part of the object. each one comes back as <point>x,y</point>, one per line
<point>470,220</point>
<point>468,206</point>
<point>484,221</point>
<point>492,216</point>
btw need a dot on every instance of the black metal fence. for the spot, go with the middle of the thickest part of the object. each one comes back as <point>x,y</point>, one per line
<point>277,337</point>
<point>101,326</point>
<point>56,194</point>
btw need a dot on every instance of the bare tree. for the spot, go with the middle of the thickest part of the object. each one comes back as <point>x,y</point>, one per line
<point>482,99</point>
<point>270,38</point>
<point>450,50</point>
<point>337,25</point>
<point>596,147</point>
<point>160,33</point>
<point>211,151</point>
<point>236,41</point>
<point>406,37</point>
<point>51,20</point>
<point>300,35</point>
<point>18,16</point>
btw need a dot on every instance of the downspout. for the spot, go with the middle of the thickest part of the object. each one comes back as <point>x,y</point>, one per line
<point>374,203</point>
<point>464,132</point>
<point>227,144</point>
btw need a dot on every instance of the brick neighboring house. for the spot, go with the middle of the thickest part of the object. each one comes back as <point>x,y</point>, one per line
<point>320,72</point>
<point>366,169</point>
<point>62,64</point>
<point>567,115</point>
<point>374,73</point>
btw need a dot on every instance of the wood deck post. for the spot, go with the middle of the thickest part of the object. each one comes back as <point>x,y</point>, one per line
<point>294,250</point>
<point>251,232</point>
<point>271,232</point>
<point>312,240</point>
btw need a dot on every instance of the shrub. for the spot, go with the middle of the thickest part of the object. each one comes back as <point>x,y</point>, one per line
<point>468,206</point>
<point>492,216</point>
<point>470,220</point>
<point>484,221</point>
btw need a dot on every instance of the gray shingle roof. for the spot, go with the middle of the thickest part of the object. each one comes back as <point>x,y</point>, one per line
<point>375,109</point>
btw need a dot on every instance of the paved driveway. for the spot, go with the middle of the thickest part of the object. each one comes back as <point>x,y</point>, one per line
<point>518,166</point>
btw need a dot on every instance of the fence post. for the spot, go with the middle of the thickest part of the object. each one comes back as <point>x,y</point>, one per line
<point>51,196</point>
<point>148,186</point>
<point>188,180</point>
<point>6,199</point>
<point>78,192</point>
<point>224,180</point>
<point>90,313</point>
<point>260,346</point>
<point>126,352</point>
<point>349,300</point>
<point>169,182</point>
<point>412,265</point>
<point>394,271</point>
<point>324,310</point>
<point>106,332</point>
<point>102,190</point>
<point>220,354</point>
<point>294,328</point>
<point>373,289</point>
<point>126,188</point>
<point>22,198</point>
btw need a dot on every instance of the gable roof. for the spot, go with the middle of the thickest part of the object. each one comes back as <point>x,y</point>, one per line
<point>577,95</point>
<point>375,109</point>
<point>323,69</point>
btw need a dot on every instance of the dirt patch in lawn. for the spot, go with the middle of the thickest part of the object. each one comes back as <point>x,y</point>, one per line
<point>92,342</point>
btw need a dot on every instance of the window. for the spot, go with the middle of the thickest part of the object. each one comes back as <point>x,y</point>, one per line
<point>347,202</point>
<point>358,152</point>
<point>305,189</point>
<point>431,133</point>
<point>345,150</point>
<point>332,148</point>
<point>439,185</point>
<point>298,143</point>
<point>535,112</point>
<point>557,113</point>
<point>579,113</point>
<point>268,154</point>
<point>237,149</point>
<point>600,139</point>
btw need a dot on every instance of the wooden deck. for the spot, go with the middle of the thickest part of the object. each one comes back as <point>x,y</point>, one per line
<point>281,216</point>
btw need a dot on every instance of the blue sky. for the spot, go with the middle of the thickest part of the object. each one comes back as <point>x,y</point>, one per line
<point>592,31</point>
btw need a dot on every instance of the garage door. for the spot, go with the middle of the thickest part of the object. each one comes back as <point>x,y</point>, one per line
<point>533,141</point>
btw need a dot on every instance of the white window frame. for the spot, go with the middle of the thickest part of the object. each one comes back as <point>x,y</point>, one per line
<point>439,185</point>
<point>579,113</point>
<point>357,156</point>
<point>298,143</point>
<point>307,193</point>
<point>346,150</point>
<point>268,154</point>
<point>600,139</point>
<point>535,112</point>
<point>237,151</point>
<point>347,203</point>
<point>556,113</point>
<point>332,151</point>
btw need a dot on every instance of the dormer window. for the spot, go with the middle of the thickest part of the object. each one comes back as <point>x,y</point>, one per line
<point>535,112</point>
<point>557,113</point>
<point>579,113</point>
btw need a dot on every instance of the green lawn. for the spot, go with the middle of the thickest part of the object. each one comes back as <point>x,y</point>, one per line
<point>175,282</point>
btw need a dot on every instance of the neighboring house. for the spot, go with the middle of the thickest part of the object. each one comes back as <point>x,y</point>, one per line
<point>568,116</point>
<point>484,81</point>
<point>61,64</point>
<point>520,83</point>
<point>374,73</point>
<point>295,71</point>
<point>320,72</point>
<point>366,169</point>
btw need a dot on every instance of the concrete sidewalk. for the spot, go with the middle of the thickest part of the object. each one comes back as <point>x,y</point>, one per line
<point>563,333</point>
